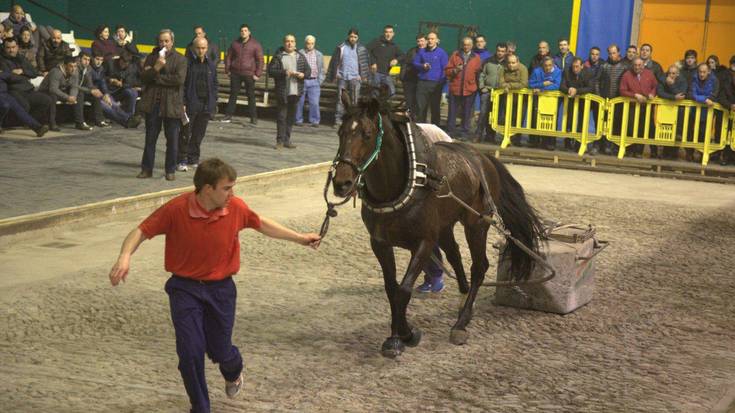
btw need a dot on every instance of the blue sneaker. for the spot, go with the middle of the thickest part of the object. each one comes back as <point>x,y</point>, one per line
<point>424,288</point>
<point>437,286</point>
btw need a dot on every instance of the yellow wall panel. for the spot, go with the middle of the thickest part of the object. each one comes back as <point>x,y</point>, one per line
<point>687,10</point>
<point>670,41</point>
<point>722,11</point>
<point>720,41</point>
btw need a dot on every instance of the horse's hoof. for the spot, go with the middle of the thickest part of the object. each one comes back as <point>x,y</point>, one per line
<point>458,337</point>
<point>392,347</point>
<point>415,338</point>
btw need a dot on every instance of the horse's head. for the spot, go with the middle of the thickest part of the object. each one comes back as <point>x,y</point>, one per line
<point>359,141</point>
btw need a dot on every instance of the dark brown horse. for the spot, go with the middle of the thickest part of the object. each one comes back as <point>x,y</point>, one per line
<point>387,159</point>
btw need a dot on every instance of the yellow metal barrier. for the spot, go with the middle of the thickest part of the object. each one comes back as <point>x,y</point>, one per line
<point>732,130</point>
<point>684,124</point>
<point>550,117</point>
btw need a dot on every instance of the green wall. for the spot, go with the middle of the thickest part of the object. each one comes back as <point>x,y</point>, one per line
<point>525,21</point>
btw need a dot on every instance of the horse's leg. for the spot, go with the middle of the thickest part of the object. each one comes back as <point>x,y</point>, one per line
<point>386,258</point>
<point>476,234</point>
<point>449,245</point>
<point>403,334</point>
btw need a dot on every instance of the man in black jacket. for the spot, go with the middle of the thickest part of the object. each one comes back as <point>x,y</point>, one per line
<point>36,103</point>
<point>288,69</point>
<point>9,104</point>
<point>410,75</point>
<point>576,80</point>
<point>384,54</point>
<point>123,80</point>
<point>200,99</point>
<point>52,52</point>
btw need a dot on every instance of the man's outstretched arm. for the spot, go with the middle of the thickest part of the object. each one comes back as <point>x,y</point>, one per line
<point>119,271</point>
<point>275,230</point>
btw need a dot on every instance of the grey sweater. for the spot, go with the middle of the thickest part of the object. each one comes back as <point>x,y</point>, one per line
<point>56,83</point>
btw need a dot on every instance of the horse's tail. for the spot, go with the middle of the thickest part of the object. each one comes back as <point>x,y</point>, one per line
<point>520,219</point>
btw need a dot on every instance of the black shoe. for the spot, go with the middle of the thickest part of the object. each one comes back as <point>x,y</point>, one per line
<point>41,130</point>
<point>171,176</point>
<point>144,174</point>
<point>253,121</point>
<point>132,122</point>
<point>102,124</point>
<point>54,128</point>
<point>82,126</point>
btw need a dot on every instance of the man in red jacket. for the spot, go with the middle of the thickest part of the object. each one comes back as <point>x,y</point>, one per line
<point>640,84</point>
<point>243,63</point>
<point>462,71</point>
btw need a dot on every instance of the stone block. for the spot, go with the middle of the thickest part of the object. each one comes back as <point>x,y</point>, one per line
<point>570,289</point>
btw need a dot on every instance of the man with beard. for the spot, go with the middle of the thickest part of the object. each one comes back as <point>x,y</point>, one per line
<point>610,74</point>
<point>349,67</point>
<point>52,52</point>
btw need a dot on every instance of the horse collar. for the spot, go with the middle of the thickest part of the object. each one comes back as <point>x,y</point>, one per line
<point>418,177</point>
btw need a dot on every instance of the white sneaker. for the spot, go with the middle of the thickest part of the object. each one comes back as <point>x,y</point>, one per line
<point>232,388</point>
<point>182,167</point>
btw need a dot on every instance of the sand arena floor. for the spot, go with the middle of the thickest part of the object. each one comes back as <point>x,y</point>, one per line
<point>657,337</point>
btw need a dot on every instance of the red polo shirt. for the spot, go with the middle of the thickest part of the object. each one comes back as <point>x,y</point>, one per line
<point>200,244</point>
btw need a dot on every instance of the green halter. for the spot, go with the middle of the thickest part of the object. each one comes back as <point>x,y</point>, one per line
<point>378,145</point>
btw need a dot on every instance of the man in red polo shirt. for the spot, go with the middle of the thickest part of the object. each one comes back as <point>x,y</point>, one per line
<point>202,253</point>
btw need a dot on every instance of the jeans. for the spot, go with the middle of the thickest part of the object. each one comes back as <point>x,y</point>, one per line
<point>312,91</point>
<point>9,104</point>
<point>190,141</point>
<point>38,104</point>
<point>285,119</point>
<point>377,79</point>
<point>171,126</point>
<point>409,94</point>
<point>203,316</point>
<point>115,112</point>
<point>428,97</point>
<point>466,104</point>
<point>353,88</point>
<point>483,124</point>
<point>432,269</point>
<point>127,97</point>
<point>235,83</point>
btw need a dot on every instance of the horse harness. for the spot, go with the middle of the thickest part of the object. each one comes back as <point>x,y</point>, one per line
<point>421,175</point>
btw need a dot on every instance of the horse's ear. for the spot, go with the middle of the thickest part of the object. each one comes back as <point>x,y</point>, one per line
<point>373,107</point>
<point>345,99</point>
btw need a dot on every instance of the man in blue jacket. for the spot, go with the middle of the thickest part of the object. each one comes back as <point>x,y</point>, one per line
<point>430,62</point>
<point>544,78</point>
<point>200,99</point>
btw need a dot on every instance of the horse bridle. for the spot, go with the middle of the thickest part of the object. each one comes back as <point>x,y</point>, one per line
<point>358,169</point>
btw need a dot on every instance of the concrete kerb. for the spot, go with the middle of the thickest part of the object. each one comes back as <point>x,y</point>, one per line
<point>118,206</point>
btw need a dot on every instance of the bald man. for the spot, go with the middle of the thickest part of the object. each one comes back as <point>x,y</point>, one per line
<point>200,99</point>
<point>51,52</point>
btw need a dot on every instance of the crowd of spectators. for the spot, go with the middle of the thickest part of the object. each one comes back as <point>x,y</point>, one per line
<point>38,73</point>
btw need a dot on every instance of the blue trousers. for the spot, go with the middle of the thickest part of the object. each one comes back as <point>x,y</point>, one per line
<point>312,91</point>
<point>203,316</point>
<point>463,106</point>
<point>128,97</point>
<point>432,269</point>
<point>114,111</point>
<point>171,127</point>
<point>9,104</point>
<point>377,79</point>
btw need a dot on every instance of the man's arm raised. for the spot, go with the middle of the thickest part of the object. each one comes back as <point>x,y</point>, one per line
<point>119,271</point>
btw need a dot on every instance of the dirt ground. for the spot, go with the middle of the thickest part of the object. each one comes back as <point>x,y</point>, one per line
<point>657,337</point>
